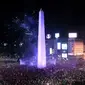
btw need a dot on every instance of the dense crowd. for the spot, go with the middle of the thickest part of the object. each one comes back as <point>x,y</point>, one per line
<point>23,75</point>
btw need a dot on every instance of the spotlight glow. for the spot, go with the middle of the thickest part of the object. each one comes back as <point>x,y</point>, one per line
<point>5,44</point>
<point>22,62</point>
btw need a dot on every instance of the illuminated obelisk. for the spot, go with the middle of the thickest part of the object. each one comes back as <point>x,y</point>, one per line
<point>41,63</point>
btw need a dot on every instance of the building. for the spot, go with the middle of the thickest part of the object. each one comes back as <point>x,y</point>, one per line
<point>78,48</point>
<point>57,47</point>
<point>65,47</point>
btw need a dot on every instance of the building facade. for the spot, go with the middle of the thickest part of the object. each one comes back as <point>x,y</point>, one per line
<point>64,47</point>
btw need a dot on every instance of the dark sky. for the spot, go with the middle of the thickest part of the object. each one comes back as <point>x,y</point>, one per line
<point>65,15</point>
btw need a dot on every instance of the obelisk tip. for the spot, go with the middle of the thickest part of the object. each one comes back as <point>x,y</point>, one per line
<point>40,9</point>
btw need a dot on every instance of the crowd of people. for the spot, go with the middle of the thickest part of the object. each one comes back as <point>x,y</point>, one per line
<point>23,75</point>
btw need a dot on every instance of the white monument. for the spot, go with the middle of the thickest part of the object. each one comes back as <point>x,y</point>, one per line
<point>41,61</point>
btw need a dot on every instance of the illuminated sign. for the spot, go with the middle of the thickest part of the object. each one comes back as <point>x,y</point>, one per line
<point>72,35</point>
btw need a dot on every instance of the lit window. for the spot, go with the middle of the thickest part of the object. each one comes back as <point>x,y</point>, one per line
<point>64,46</point>
<point>64,55</point>
<point>51,51</point>
<point>57,35</point>
<point>59,46</point>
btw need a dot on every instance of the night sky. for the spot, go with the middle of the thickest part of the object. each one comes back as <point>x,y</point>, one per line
<point>60,15</point>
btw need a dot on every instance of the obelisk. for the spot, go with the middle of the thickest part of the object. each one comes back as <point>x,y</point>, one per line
<point>41,63</point>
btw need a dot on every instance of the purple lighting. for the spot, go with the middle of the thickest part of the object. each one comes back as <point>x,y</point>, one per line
<point>41,63</point>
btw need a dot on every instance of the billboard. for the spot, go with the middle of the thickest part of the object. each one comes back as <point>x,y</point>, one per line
<point>72,35</point>
<point>64,46</point>
<point>57,35</point>
<point>58,45</point>
<point>78,48</point>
